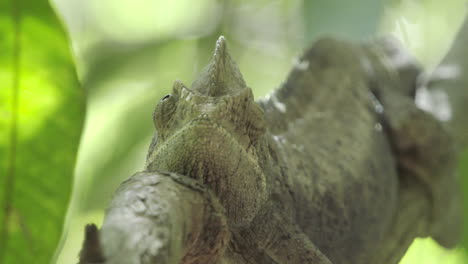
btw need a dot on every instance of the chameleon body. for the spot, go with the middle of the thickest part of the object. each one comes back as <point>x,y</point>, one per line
<point>312,173</point>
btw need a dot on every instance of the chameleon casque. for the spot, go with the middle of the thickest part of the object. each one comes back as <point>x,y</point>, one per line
<point>322,170</point>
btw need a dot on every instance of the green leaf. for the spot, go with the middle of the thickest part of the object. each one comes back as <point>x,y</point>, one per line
<point>41,117</point>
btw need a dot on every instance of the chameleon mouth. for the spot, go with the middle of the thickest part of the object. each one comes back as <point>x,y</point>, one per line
<point>204,120</point>
<point>197,138</point>
<point>202,142</point>
<point>202,127</point>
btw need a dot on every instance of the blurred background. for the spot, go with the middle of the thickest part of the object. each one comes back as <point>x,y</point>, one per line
<point>129,52</point>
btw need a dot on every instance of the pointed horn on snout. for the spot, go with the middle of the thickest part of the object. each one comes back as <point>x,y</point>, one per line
<point>221,76</point>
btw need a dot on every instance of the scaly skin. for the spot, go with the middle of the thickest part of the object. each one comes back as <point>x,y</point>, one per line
<point>337,154</point>
<point>307,175</point>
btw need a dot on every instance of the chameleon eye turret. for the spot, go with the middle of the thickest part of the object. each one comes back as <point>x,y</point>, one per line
<point>165,109</point>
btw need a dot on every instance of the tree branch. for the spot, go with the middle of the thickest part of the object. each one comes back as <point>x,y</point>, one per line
<point>158,217</point>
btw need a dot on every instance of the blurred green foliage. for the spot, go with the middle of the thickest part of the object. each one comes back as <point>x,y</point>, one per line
<point>128,53</point>
<point>427,251</point>
<point>41,116</point>
<point>464,174</point>
<point>356,21</point>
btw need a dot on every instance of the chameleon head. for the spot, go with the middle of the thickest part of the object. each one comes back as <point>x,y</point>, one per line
<point>209,132</point>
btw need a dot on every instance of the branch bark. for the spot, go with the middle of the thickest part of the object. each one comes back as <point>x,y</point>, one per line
<point>158,217</point>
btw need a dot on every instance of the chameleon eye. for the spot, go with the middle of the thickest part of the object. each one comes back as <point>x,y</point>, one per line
<point>164,110</point>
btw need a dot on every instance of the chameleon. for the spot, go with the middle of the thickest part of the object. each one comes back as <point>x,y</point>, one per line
<point>323,168</point>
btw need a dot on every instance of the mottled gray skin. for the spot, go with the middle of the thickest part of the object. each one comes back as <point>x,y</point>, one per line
<point>312,173</point>
<point>340,170</point>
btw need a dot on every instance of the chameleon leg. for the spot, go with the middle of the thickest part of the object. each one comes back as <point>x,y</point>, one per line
<point>425,150</point>
<point>282,240</point>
